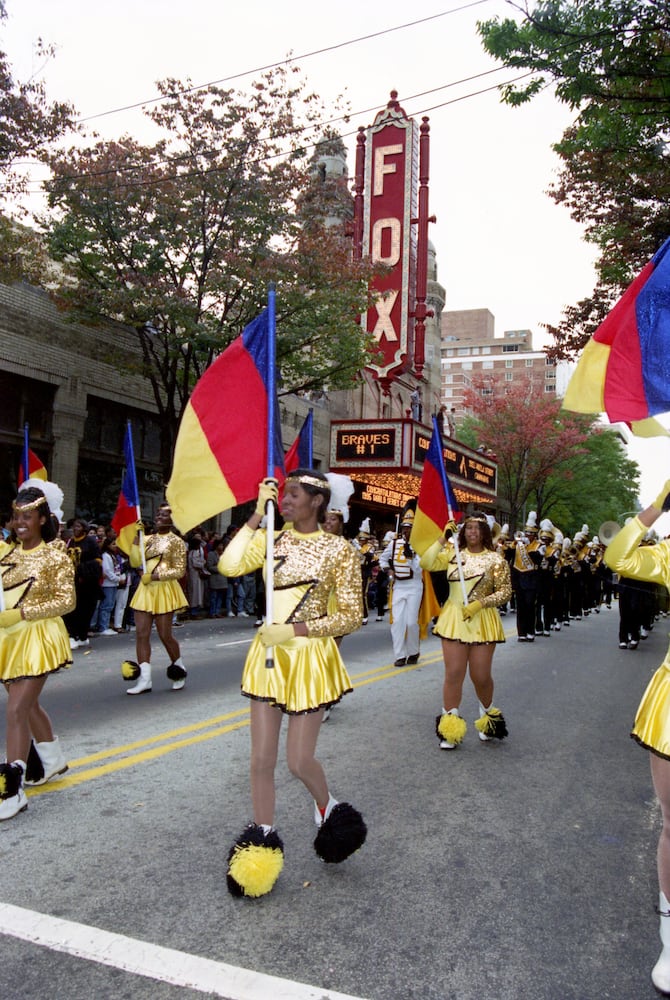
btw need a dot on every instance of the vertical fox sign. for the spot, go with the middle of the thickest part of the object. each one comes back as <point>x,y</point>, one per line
<point>385,228</point>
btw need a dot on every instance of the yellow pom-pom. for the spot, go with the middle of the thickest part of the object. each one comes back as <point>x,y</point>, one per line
<point>130,670</point>
<point>256,868</point>
<point>451,728</point>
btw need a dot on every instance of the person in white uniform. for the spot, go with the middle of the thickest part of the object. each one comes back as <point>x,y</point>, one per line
<point>404,569</point>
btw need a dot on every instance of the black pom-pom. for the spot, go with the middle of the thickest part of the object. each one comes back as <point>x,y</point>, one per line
<point>341,834</point>
<point>34,766</point>
<point>176,673</point>
<point>10,780</point>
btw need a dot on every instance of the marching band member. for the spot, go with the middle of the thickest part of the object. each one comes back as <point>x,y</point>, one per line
<point>525,579</point>
<point>403,566</point>
<point>155,601</point>
<point>651,729</point>
<point>305,676</point>
<point>38,588</point>
<point>366,544</point>
<point>470,632</point>
<point>545,611</point>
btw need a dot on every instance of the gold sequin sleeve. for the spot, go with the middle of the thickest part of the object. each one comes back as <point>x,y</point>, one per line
<point>39,581</point>
<point>172,564</point>
<point>347,613</point>
<point>168,548</point>
<point>499,578</point>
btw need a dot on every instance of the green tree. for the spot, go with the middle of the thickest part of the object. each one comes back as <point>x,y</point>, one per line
<point>610,63</point>
<point>599,484</point>
<point>28,125</point>
<point>557,463</point>
<point>181,238</point>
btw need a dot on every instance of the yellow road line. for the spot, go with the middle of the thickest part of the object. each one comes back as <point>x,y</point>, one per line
<point>141,751</point>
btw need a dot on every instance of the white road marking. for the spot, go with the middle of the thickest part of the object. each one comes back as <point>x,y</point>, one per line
<point>144,959</point>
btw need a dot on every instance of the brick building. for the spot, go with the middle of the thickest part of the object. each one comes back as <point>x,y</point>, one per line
<point>472,356</point>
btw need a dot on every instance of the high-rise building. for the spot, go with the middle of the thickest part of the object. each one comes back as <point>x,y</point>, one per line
<point>473,357</point>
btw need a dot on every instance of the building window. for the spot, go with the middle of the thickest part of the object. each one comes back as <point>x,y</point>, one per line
<point>529,362</point>
<point>447,380</point>
<point>509,363</point>
<point>509,376</point>
<point>549,387</point>
<point>487,364</point>
<point>467,366</point>
<point>486,350</point>
<point>487,392</point>
<point>510,348</point>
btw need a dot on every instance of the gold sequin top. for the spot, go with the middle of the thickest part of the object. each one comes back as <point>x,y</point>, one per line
<point>308,569</point>
<point>165,554</point>
<point>40,581</point>
<point>486,573</point>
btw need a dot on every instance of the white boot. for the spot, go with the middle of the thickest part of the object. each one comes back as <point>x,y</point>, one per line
<point>143,681</point>
<point>660,974</point>
<point>318,818</point>
<point>12,796</point>
<point>53,761</point>
<point>482,712</point>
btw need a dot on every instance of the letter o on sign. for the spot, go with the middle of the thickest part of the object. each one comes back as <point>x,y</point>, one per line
<point>392,258</point>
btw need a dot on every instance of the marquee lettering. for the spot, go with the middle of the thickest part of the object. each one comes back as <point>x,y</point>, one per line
<point>384,325</point>
<point>393,256</point>
<point>382,168</point>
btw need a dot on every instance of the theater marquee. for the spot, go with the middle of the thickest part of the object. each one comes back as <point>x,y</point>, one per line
<point>385,460</point>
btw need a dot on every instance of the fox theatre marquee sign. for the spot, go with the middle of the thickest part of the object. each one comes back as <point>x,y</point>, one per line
<point>384,458</point>
<point>391,226</point>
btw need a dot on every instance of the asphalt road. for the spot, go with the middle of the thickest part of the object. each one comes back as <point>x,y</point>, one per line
<point>521,870</point>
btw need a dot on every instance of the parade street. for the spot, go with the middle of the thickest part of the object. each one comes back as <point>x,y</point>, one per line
<point>514,870</point>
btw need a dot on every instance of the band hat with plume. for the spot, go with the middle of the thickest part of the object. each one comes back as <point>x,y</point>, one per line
<point>407,519</point>
<point>531,523</point>
<point>547,528</point>
<point>53,493</point>
<point>365,527</point>
<point>341,488</point>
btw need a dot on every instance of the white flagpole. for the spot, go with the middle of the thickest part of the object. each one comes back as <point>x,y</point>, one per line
<point>443,474</point>
<point>270,512</point>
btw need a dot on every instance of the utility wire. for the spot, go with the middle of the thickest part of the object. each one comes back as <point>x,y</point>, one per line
<point>283,62</point>
<point>134,185</point>
<point>312,126</point>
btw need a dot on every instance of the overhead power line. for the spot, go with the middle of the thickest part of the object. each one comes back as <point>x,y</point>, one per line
<point>134,184</point>
<point>283,62</point>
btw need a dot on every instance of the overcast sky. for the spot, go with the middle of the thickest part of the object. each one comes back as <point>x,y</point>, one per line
<point>501,242</point>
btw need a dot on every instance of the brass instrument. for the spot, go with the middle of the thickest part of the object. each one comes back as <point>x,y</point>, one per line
<point>608,530</point>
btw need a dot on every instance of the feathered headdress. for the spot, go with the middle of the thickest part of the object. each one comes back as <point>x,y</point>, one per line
<point>341,488</point>
<point>53,493</point>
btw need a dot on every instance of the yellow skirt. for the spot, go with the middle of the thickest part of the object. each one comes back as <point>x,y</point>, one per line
<point>34,648</point>
<point>159,597</point>
<point>652,723</point>
<point>308,674</point>
<point>486,626</point>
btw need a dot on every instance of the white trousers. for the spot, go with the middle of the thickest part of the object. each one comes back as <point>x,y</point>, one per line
<point>405,606</point>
